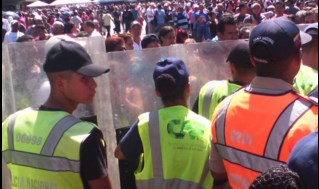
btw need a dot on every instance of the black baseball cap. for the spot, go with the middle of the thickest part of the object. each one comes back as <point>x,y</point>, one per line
<point>239,55</point>
<point>69,55</point>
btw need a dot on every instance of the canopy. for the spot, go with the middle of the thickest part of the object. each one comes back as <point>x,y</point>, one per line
<point>38,4</point>
<point>66,2</point>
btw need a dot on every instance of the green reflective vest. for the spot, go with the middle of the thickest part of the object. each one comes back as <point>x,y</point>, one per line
<point>176,144</point>
<point>42,148</point>
<point>211,94</point>
<point>306,80</point>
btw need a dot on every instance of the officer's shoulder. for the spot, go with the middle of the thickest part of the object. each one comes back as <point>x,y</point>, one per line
<point>312,100</point>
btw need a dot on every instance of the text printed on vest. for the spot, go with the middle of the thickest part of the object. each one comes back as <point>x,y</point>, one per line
<point>31,183</point>
<point>241,138</point>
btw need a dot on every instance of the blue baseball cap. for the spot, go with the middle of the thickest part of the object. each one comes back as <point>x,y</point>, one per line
<point>279,38</point>
<point>304,160</point>
<point>173,67</point>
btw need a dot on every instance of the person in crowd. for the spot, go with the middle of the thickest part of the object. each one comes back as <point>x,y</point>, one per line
<point>150,15</point>
<point>226,29</point>
<point>304,160</point>
<point>63,151</point>
<point>114,43</point>
<point>25,38</point>
<point>310,50</point>
<point>150,41</point>
<point>41,30</point>
<point>13,34</point>
<point>255,17</point>
<point>180,19</point>
<point>213,92</point>
<point>244,31</point>
<point>181,36</point>
<point>213,23</point>
<point>4,31</point>
<point>107,19</point>
<point>57,28</point>
<point>306,79</point>
<point>89,27</point>
<point>243,13</point>
<point>128,39</point>
<point>269,102</point>
<point>291,7</point>
<point>159,13</point>
<point>117,20</point>
<point>70,29</point>
<point>277,177</point>
<point>202,24</point>
<point>162,139</point>
<point>279,9</point>
<point>167,36</point>
<point>127,18</point>
<point>189,41</point>
<point>136,31</point>
<point>76,19</point>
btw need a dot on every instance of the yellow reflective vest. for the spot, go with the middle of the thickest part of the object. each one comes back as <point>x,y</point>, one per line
<point>42,148</point>
<point>176,144</point>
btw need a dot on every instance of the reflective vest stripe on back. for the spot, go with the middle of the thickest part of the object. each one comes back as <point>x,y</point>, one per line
<point>40,160</point>
<point>158,178</point>
<point>275,138</point>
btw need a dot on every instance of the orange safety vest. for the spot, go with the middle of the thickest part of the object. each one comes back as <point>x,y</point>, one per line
<point>254,132</point>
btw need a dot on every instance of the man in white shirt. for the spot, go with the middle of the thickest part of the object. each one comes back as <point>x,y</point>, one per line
<point>76,20</point>
<point>136,31</point>
<point>14,34</point>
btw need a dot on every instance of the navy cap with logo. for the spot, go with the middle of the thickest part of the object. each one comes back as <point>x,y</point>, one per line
<point>279,38</point>
<point>173,67</point>
<point>69,55</point>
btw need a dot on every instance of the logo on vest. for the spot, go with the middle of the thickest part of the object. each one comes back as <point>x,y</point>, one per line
<point>179,129</point>
<point>187,137</point>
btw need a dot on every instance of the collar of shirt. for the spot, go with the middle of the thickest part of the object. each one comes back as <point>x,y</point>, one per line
<point>269,85</point>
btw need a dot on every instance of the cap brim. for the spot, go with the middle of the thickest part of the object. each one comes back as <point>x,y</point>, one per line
<point>92,70</point>
<point>305,38</point>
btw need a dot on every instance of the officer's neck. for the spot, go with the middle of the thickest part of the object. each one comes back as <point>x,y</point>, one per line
<point>59,103</point>
<point>178,102</point>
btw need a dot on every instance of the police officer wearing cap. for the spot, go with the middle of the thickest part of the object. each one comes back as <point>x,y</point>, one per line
<point>172,143</point>
<point>256,127</point>
<point>46,146</point>
<point>213,92</point>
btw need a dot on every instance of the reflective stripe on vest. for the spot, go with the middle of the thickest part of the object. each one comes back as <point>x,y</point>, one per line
<point>207,100</point>
<point>158,180</point>
<point>40,160</point>
<point>275,139</point>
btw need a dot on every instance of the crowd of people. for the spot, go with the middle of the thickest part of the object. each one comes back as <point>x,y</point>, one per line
<point>201,21</point>
<point>257,130</point>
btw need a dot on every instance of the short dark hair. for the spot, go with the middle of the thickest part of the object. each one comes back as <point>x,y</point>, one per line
<point>164,31</point>
<point>25,38</point>
<point>111,43</point>
<point>277,178</point>
<point>225,20</point>
<point>90,23</point>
